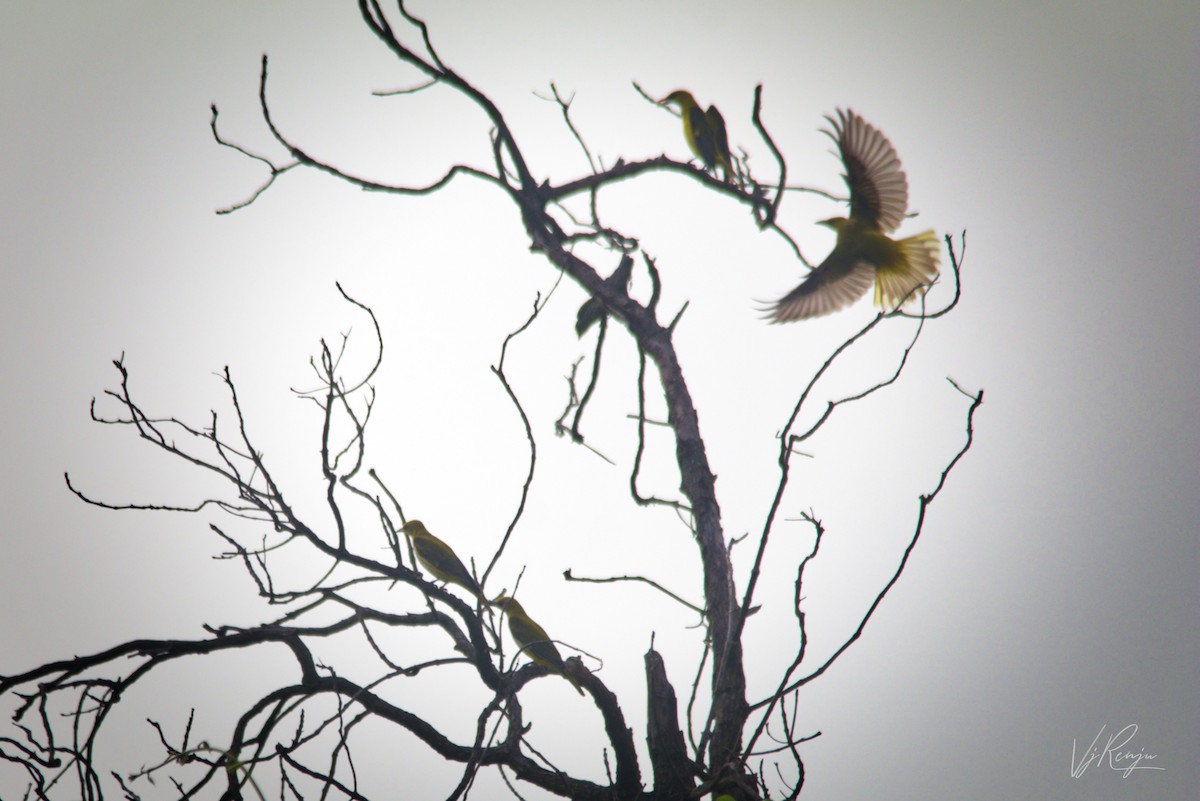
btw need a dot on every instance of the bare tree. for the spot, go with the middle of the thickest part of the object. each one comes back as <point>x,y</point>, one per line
<point>302,734</point>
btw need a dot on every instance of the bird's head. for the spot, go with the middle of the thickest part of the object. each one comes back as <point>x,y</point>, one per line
<point>679,98</point>
<point>836,223</point>
<point>506,602</point>
<point>414,527</point>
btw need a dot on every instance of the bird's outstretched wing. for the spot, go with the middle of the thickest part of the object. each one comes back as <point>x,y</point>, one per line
<point>823,292</point>
<point>877,183</point>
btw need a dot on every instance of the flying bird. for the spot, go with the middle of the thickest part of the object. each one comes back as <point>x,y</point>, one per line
<point>439,559</point>
<point>593,308</point>
<point>533,639</point>
<point>901,269</point>
<point>704,131</point>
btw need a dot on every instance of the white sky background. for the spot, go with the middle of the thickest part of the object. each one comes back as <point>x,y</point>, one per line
<point>1053,591</point>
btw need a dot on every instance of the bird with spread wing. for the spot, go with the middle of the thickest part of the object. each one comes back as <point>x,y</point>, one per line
<point>864,254</point>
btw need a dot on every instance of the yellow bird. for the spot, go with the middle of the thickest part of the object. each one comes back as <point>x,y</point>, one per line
<point>901,269</point>
<point>533,640</point>
<point>704,131</point>
<point>439,559</point>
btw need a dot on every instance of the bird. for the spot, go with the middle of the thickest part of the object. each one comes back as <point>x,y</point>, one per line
<point>704,131</point>
<point>439,559</point>
<point>593,308</point>
<point>901,269</point>
<point>533,639</point>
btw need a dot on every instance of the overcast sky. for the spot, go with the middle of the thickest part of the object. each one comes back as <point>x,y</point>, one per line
<point>1053,593</point>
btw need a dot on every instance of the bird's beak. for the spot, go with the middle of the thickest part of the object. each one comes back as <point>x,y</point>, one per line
<point>836,223</point>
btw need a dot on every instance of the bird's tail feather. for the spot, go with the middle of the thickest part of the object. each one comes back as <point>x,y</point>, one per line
<point>907,279</point>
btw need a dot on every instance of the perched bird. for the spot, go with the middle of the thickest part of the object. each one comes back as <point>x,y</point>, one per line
<point>593,308</point>
<point>533,639</point>
<point>704,131</point>
<point>901,269</point>
<point>439,559</point>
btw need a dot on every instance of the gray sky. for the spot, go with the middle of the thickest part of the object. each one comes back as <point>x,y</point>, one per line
<point>1053,592</point>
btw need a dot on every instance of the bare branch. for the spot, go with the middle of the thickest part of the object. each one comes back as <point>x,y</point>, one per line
<point>923,504</point>
<point>302,730</point>
<point>569,576</point>
<point>498,371</point>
